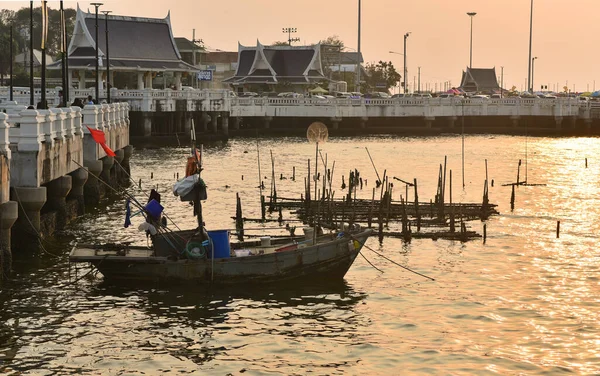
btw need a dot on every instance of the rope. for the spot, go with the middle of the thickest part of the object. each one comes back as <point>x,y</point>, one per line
<point>376,268</point>
<point>392,261</point>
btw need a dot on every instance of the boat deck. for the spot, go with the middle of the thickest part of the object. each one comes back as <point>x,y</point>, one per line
<point>126,254</point>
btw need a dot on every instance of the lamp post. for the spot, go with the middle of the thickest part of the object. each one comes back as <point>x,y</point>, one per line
<point>471,15</point>
<point>357,88</point>
<point>106,12</point>
<point>10,72</point>
<point>289,31</point>
<point>97,5</point>
<point>532,69</point>
<point>502,82</point>
<point>419,80</point>
<point>43,103</point>
<point>400,83</point>
<point>529,85</point>
<point>31,88</point>
<point>405,68</point>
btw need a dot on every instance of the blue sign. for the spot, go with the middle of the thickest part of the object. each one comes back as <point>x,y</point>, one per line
<point>205,75</point>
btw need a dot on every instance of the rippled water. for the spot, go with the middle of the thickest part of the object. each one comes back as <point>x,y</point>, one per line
<point>523,303</point>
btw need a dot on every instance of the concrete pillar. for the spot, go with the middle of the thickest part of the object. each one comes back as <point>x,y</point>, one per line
<point>32,200</point>
<point>558,120</point>
<point>91,189</point>
<point>588,124</point>
<point>236,122</point>
<point>335,122</point>
<point>267,122</point>
<point>127,152</point>
<point>451,121</point>
<point>205,120</point>
<point>78,179</point>
<point>148,80</point>
<point>429,121</point>
<point>187,123</point>
<point>116,171</point>
<point>515,120</point>
<point>57,191</point>
<point>140,81</point>
<point>363,122</point>
<point>107,164</point>
<point>147,124</point>
<point>178,80</point>
<point>225,123</point>
<point>81,79</point>
<point>9,212</point>
<point>213,121</point>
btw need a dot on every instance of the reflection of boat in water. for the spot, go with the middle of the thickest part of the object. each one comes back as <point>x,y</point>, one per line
<point>208,257</point>
<point>327,257</point>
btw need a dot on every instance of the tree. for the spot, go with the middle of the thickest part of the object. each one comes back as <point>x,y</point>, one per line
<point>280,43</point>
<point>380,74</point>
<point>331,50</point>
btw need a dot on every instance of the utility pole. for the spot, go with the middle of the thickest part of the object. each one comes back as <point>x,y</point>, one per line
<point>97,5</point>
<point>471,14</point>
<point>502,82</point>
<point>529,88</point>
<point>44,104</point>
<point>106,12</point>
<point>419,79</point>
<point>405,68</point>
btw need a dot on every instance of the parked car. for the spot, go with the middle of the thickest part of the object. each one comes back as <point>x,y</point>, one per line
<point>342,94</point>
<point>269,94</point>
<point>247,94</point>
<point>377,94</point>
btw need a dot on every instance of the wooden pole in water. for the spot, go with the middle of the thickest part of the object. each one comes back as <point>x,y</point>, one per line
<point>484,232</point>
<point>417,214</point>
<point>452,227</point>
<point>518,172</point>
<point>557,229</point>
<point>512,198</point>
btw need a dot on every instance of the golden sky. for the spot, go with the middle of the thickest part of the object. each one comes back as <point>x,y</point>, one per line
<point>565,39</point>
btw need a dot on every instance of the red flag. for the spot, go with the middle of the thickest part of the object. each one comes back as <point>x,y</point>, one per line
<point>98,136</point>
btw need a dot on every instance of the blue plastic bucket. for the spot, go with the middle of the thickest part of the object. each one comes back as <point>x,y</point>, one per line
<point>220,239</point>
<point>154,209</point>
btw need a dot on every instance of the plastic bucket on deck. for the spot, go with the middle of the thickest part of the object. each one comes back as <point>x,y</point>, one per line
<point>154,209</point>
<point>220,240</point>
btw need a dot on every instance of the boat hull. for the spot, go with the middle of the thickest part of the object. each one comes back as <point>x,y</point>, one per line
<point>328,261</point>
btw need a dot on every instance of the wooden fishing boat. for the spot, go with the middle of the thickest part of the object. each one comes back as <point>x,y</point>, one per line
<point>202,256</point>
<point>327,258</point>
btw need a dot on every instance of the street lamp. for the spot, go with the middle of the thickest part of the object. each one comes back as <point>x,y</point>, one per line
<point>289,31</point>
<point>31,88</point>
<point>405,68</point>
<point>532,68</point>
<point>357,88</point>
<point>471,15</point>
<point>399,83</point>
<point>106,12</point>
<point>97,5</point>
<point>529,85</point>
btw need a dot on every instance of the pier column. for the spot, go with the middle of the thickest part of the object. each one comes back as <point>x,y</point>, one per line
<point>9,212</point>
<point>335,122</point>
<point>91,189</point>
<point>236,123</point>
<point>148,80</point>
<point>147,124</point>
<point>558,120</point>
<point>205,119</point>
<point>588,124</point>
<point>213,121</point>
<point>187,123</point>
<point>32,200</point>
<point>225,123</point>
<point>451,122</point>
<point>267,122</point>
<point>429,121</point>
<point>57,191</point>
<point>107,164</point>
<point>78,179</point>
<point>127,152</point>
<point>514,120</point>
<point>116,172</point>
<point>363,122</point>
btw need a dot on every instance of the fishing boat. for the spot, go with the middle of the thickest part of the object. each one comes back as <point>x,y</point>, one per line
<point>172,259</point>
<point>202,256</point>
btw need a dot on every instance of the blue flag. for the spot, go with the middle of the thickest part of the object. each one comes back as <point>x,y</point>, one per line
<point>127,214</point>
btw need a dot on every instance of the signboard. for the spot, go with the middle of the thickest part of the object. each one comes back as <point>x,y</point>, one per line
<point>205,75</point>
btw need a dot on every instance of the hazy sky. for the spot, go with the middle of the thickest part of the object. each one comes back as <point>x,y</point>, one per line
<point>565,39</point>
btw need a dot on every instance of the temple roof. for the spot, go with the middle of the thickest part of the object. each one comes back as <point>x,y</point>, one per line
<point>479,79</point>
<point>276,64</point>
<point>142,43</point>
